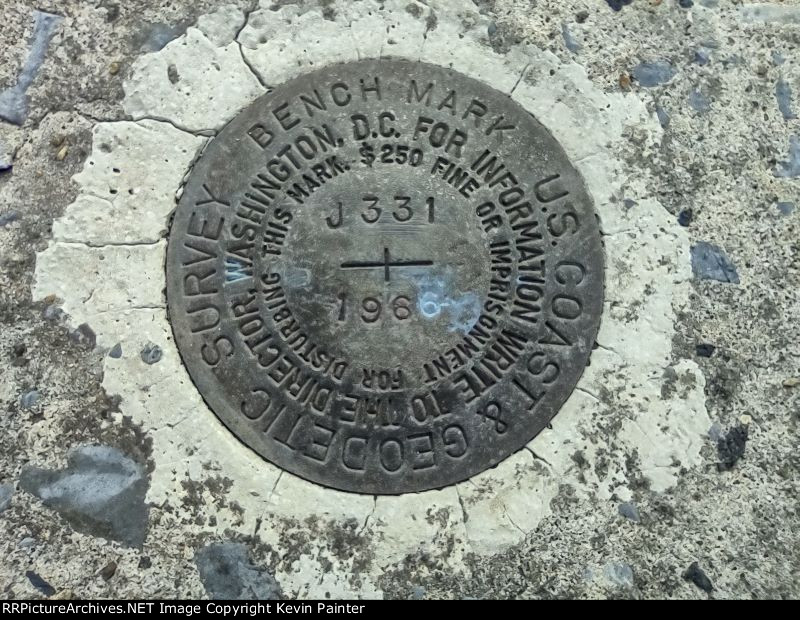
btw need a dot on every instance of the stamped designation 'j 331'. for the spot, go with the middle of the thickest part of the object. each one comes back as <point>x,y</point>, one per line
<point>385,276</point>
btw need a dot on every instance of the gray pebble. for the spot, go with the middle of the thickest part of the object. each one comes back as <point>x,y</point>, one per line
<point>157,36</point>
<point>6,492</point>
<point>151,354</point>
<point>569,40</point>
<point>663,116</point>
<point>227,574</point>
<point>26,543</point>
<point>13,100</point>
<point>791,167</point>
<point>699,102</point>
<point>702,56</point>
<point>731,447</point>
<point>116,351</point>
<point>709,262</point>
<point>101,492</point>
<point>785,208</point>
<point>492,29</point>
<point>53,313</point>
<point>629,511</point>
<point>783,93</point>
<point>7,218</point>
<point>619,574</point>
<point>697,576</point>
<point>650,74</point>
<point>29,399</point>
<point>84,336</point>
<point>39,583</point>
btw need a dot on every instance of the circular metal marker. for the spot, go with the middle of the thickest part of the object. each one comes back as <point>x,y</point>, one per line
<point>385,276</point>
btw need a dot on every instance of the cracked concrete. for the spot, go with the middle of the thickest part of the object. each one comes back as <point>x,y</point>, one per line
<point>634,429</point>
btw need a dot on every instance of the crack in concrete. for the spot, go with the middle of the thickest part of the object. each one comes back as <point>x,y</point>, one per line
<point>93,118</point>
<point>464,513</point>
<point>200,133</point>
<point>609,349</point>
<point>538,458</point>
<point>274,486</point>
<point>465,518</point>
<point>126,309</point>
<point>87,298</point>
<point>254,6</point>
<point>618,232</point>
<point>173,425</point>
<point>519,79</point>
<point>108,244</point>
<point>510,520</point>
<point>369,516</point>
<point>588,393</point>
<point>252,69</point>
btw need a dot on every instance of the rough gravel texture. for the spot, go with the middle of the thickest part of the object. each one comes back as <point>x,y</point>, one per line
<point>730,153</point>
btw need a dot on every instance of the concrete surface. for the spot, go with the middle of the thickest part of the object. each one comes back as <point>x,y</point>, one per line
<point>671,471</point>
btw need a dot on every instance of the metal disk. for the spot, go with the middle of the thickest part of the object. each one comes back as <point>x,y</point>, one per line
<point>385,276</point>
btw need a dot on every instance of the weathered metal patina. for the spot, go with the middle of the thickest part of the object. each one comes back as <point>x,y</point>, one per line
<point>385,276</point>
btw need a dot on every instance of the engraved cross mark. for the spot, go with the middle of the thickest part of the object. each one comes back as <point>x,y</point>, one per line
<point>386,264</point>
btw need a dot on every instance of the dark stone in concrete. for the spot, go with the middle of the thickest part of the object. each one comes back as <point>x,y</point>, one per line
<point>663,116</point>
<point>40,584</point>
<point>108,571</point>
<point>53,313</point>
<point>29,399</point>
<point>6,493</point>
<point>705,350</point>
<point>629,511</point>
<point>783,93</point>
<point>227,574</point>
<point>155,37</point>
<point>790,168</point>
<point>618,574</point>
<point>116,351</point>
<point>699,102</point>
<point>616,5</point>
<point>570,41</point>
<point>702,56</point>
<point>13,100</point>
<point>8,217</point>
<point>730,447</point>
<point>101,492</point>
<point>84,336</point>
<point>649,74</point>
<point>151,354</point>
<point>709,262</point>
<point>785,208</point>
<point>696,575</point>
<point>378,311</point>
<point>5,161</point>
